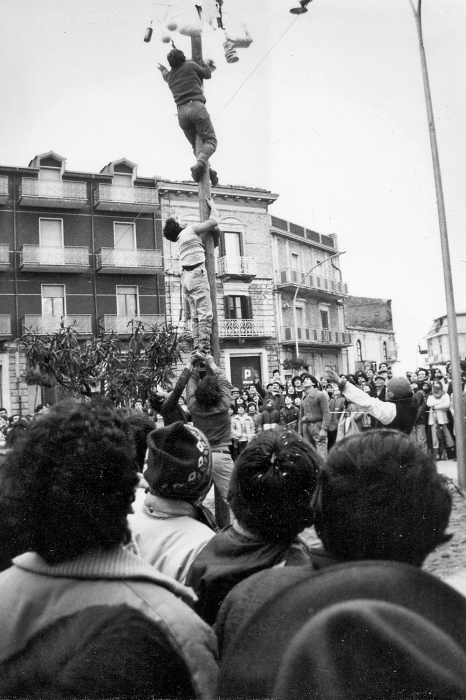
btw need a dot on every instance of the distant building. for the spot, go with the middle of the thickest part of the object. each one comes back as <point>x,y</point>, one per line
<point>438,343</point>
<point>371,325</point>
<point>320,322</point>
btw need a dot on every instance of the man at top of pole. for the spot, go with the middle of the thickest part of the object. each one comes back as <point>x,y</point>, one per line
<point>185,81</point>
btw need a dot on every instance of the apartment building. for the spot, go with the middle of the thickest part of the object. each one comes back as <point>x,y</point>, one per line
<point>309,295</point>
<point>244,267</point>
<point>370,322</point>
<point>84,246</point>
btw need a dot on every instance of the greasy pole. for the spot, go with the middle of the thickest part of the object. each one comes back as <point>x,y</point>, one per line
<point>203,192</point>
<point>450,302</point>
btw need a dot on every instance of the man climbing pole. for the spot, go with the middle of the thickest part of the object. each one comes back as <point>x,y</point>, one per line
<point>185,81</point>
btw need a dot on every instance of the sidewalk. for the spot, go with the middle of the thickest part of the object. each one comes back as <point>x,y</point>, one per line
<point>448,467</point>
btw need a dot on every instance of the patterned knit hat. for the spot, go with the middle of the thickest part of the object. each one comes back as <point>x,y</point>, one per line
<point>179,463</point>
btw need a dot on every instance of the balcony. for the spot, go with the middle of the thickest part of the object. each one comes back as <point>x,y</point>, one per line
<point>4,257</point>
<point>5,326</point>
<point>231,267</point>
<point>122,324</point>
<point>244,328</point>
<point>288,279</point>
<point>3,189</point>
<point>36,258</point>
<point>55,194</point>
<point>50,324</point>
<point>116,198</point>
<point>313,336</point>
<point>128,262</point>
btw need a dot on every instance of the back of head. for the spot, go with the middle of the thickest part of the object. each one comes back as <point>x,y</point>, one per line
<point>208,392</point>
<point>272,485</point>
<point>68,483</point>
<point>98,652</point>
<point>141,425</point>
<point>176,58</point>
<point>380,497</point>
<point>399,388</point>
<point>172,229</point>
<point>179,463</point>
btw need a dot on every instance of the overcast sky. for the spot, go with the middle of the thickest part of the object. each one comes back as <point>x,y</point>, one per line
<point>325,109</point>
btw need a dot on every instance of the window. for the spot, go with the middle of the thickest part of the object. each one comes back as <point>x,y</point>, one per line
<point>238,307</point>
<point>51,233</point>
<point>127,301</point>
<point>49,173</point>
<point>324,319</point>
<point>384,351</point>
<point>122,180</point>
<point>53,300</point>
<point>299,316</point>
<point>359,351</point>
<point>124,235</point>
<point>232,243</point>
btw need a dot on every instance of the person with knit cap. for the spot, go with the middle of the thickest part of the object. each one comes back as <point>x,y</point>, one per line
<point>172,526</point>
<point>185,82</point>
<point>67,488</point>
<point>398,411</point>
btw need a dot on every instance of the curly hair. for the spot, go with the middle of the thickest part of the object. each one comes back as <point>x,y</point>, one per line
<point>380,497</point>
<point>68,483</point>
<point>175,58</point>
<point>172,229</point>
<point>272,484</point>
<point>208,392</point>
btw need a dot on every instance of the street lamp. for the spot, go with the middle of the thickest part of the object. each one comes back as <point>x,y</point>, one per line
<point>300,10</point>
<point>335,255</point>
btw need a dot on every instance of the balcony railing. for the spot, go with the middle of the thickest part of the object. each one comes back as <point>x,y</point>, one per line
<point>51,324</point>
<point>243,327</point>
<point>53,193</point>
<point>117,198</point>
<point>4,256</point>
<point>235,265</point>
<point>50,256</point>
<point>316,335</point>
<point>109,258</point>
<point>5,324</point>
<point>122,324</point>
<point>292,277</point>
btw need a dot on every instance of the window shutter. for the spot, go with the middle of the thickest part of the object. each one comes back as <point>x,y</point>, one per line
<point>222,245</point>
<point>246,307</point>
<point>226,302</point>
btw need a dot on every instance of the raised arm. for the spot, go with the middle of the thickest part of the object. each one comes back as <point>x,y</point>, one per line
<point>384,411</point>
<point>211,222</point>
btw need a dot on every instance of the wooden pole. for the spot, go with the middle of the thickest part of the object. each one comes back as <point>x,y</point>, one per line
<point>451,314</point>
<point>203,192</point>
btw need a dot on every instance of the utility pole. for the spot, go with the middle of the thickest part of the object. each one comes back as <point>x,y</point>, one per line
<point>203,192</point>
<point>451,314</point>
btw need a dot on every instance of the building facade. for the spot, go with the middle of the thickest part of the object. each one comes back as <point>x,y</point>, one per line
<point>244,267</point>
<point>438,342</point>
<point>306,269</point>
<point>371,325</point>
<point>83,246</point>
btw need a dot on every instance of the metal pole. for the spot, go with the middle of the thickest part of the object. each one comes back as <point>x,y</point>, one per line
<point>451,314</point>
<point>335,255</point>
<point>203,192</point>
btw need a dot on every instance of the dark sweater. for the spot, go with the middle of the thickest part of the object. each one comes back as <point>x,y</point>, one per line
<point>185,82</point>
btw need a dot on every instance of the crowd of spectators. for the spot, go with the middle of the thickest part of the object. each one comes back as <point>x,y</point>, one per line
<point>118,579</point>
